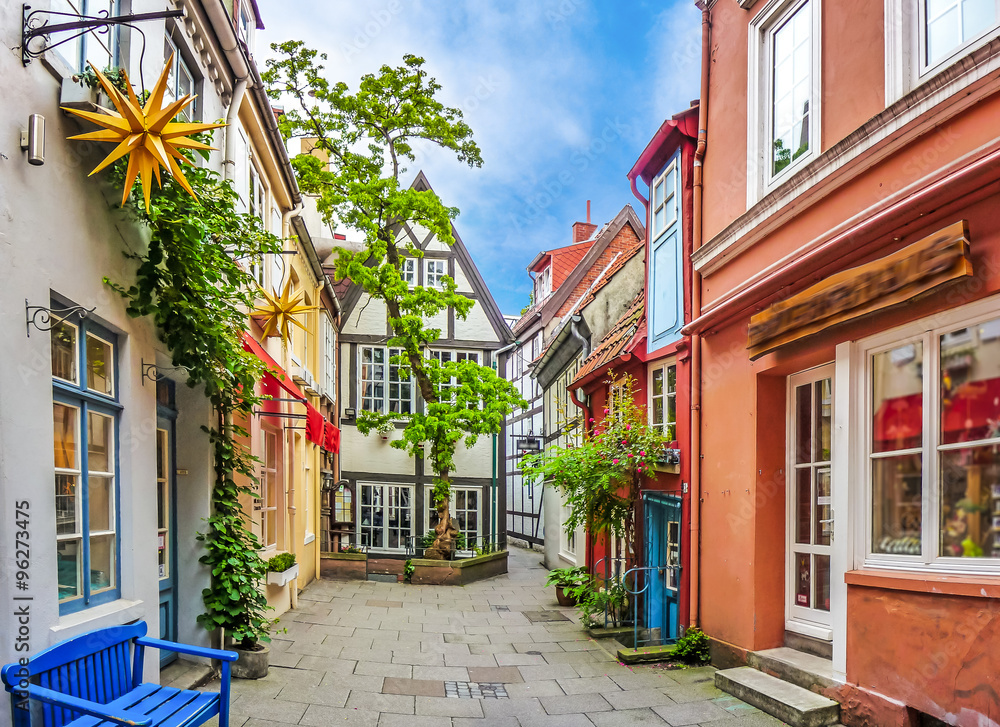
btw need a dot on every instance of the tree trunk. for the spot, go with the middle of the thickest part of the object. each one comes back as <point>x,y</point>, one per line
<point>445,531</point>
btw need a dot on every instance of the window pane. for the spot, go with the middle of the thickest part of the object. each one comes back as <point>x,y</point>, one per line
<point>66,523</point>
<point>102,562</point>
<point>658,382</point>
<point>944,31</point>
<point>977,16</point>
<point>803,440</point>
<point>803,580</point>
<point>64,352</point>
<point>100,366</point>
<point>821,599</point>
<point>970,383</point>
<point>823,409</point>
<point>803,504</point>
<point>671,379</point>
<point>822,529</point>
<point>791,61</point>
<point>970,503</point>
<point>70,49</point>
<point>99,443</point>
<point>896,511</point>
<point>897,398</point>
<point>100,499</point>
<point>64,420</point>
<point>69,556</point>
<point>657,411</point>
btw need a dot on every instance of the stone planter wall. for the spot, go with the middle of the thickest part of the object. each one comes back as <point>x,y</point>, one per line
<point>359,566</point>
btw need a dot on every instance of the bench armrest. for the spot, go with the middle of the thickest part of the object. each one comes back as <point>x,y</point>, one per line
<point>187,649</point>
<point>93,709</point>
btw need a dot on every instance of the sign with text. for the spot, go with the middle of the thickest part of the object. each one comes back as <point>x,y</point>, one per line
<point>882,283</point>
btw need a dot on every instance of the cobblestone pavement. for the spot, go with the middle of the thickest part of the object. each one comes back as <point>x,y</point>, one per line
<point>386,654</point>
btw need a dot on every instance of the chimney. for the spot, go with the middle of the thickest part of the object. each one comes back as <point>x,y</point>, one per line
<point>583,230</point>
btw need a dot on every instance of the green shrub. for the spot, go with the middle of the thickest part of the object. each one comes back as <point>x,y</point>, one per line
<point>408,569</point>
<point>430,536</point>
<point>568,577</point>
<point>692,647</point>
<point>281,562</point>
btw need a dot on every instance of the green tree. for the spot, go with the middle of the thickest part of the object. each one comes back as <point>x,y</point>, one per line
<point>601,477</point>
<point>361,142</point>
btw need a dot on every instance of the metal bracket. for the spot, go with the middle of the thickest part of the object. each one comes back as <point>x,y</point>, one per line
<point>35,24</point>
<point>152,372</point>
<point>42,317</point>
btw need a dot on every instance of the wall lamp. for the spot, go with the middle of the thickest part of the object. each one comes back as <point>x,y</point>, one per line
<point>33,140</point>
<point>350,413</point>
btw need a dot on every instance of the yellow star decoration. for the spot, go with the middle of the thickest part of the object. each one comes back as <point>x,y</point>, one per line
<point>147,133</point>
<point>278,311</point>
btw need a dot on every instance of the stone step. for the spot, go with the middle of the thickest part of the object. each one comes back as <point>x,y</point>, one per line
<point>790,703</point>
<point>646,654</point>
<point>805,670</point>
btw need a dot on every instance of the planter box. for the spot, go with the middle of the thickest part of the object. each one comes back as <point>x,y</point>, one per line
<point>280,579</point>
<point>344,566</point>
<point>458,572</point>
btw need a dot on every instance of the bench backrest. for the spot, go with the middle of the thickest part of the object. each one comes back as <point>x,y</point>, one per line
<point>96,666</point>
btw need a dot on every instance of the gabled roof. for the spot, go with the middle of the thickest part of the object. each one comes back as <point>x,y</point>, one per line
<point>479,287</point>
<point>575,285</point>
<point>562,260</point>
<point>625,336</point>
<point>615,266</point>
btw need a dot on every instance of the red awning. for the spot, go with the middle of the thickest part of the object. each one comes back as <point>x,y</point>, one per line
<point>331,438</point>
<point>276,376</point>
<point>274,369</point>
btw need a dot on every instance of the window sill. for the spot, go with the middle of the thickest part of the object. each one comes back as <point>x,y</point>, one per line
<point>106,614</point>
<point>937,583</point>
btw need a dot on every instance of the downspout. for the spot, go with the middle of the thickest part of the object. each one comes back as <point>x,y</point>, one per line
<point>580,399</point>
<point>697,233</point>
<point>232,115</point>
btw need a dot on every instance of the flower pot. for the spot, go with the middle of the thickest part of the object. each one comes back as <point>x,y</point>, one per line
<point>564,598</point>
<point>281,578</point>
<point>253,663</point>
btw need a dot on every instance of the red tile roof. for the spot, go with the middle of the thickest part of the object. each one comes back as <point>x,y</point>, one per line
<point>564,259</point>
<point>627,333</point>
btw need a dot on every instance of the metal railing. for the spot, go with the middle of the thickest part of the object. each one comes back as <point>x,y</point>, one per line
<point>466,547</point>
<point>644,583</point>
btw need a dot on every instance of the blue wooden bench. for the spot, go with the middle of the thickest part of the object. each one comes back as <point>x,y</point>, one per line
<point>95,680</point>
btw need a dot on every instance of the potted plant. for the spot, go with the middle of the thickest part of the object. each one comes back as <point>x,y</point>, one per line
<point>570,584</point>
<point>281,569</point>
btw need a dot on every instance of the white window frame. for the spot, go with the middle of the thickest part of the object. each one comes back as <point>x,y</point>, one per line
<point>670,198</point>
<point>388,353</point>
<point>408,270</point>
<point>266,505</point>
<point>385,489</point>
<point>329,358</point>
<point>905,47</point>
<point>772,15</point>
<point>543,285</point>
<point>454,355</point>
<point>434,270</point>
<point>430,510</point>
<point>662,367</point>
<point>567,540</point>
<point>966,316</point>
<point>193,111</point>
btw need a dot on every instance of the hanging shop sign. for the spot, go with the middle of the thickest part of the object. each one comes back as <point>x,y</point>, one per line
<point>147,133</point>
<point>882,283</point>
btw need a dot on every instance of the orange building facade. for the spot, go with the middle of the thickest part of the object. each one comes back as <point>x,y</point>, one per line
<point>846,333</point>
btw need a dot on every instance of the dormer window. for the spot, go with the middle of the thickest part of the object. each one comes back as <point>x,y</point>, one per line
<point>245,23</point>
<point>543,284</point>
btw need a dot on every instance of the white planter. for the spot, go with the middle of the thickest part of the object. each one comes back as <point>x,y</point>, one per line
<point>280,579</point>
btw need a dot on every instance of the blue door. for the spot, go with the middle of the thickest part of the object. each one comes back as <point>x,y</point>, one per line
<point>663,564</point>
<point>166,519</point>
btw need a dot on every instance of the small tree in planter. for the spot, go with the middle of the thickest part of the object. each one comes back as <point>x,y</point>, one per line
<point>601,478</point>
<point>360,144</point>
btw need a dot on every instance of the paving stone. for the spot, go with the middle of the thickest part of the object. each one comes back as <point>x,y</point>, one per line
<point>354,682</point>
<point>409,720</point>
<point>413,687</point>
<point>534,647</point>
<point>546,688</point>
<point>547,671</point>
<point>493,721</point>
<point>330,696</point>
<point>470,660</point>
<point>502,674</point>
<point>637,698</point>
<point>417,658</point>
<point>378,669</point>
<point>384,604</point>
<point>678,715</point>
<point>519,659</point>
<point>444,673</point>
<point>588,685</point>
<point>276,710</point>
<point>576,703</point>
<point>626,718</point>
<point>445,707</point>
<point>397,703</point>
<point>642,680</point>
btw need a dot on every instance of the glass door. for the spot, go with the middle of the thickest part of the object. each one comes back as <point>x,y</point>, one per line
<point>809,531</point>
<point>165,520</point>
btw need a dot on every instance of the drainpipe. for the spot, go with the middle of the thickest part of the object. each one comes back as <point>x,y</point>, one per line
<point>697,234</point>
<point>232,116</point>
<point>580,399</point>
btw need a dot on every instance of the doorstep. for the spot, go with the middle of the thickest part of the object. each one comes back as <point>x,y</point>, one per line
<point>788,702</point>
<point>646,654</point>
<point>798,667</point>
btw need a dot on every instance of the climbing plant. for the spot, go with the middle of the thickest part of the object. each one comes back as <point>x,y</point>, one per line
<point>359,144</point>
<point>192,280</point>
<point>601,477</point>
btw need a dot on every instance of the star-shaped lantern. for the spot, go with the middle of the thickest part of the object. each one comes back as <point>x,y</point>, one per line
<point>147,133</point>
<point>278,311</point>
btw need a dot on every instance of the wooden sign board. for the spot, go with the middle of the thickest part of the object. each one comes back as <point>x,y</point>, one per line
<point>883,283</point>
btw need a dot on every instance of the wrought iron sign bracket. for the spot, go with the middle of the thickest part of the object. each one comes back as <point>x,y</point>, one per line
<point>153,372</point>
<point>42,317</point>
<point>35,24</point>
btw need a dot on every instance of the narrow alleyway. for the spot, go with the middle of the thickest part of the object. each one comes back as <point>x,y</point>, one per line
<point>370,653</point>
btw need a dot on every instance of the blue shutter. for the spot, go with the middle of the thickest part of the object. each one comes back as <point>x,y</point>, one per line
<point>666,280</point>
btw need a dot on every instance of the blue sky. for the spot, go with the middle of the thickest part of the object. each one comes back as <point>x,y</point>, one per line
<point>562,96</point>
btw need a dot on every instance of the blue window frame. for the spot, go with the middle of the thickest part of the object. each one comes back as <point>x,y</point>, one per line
<point>666,280</point>
<point>85,414</point>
